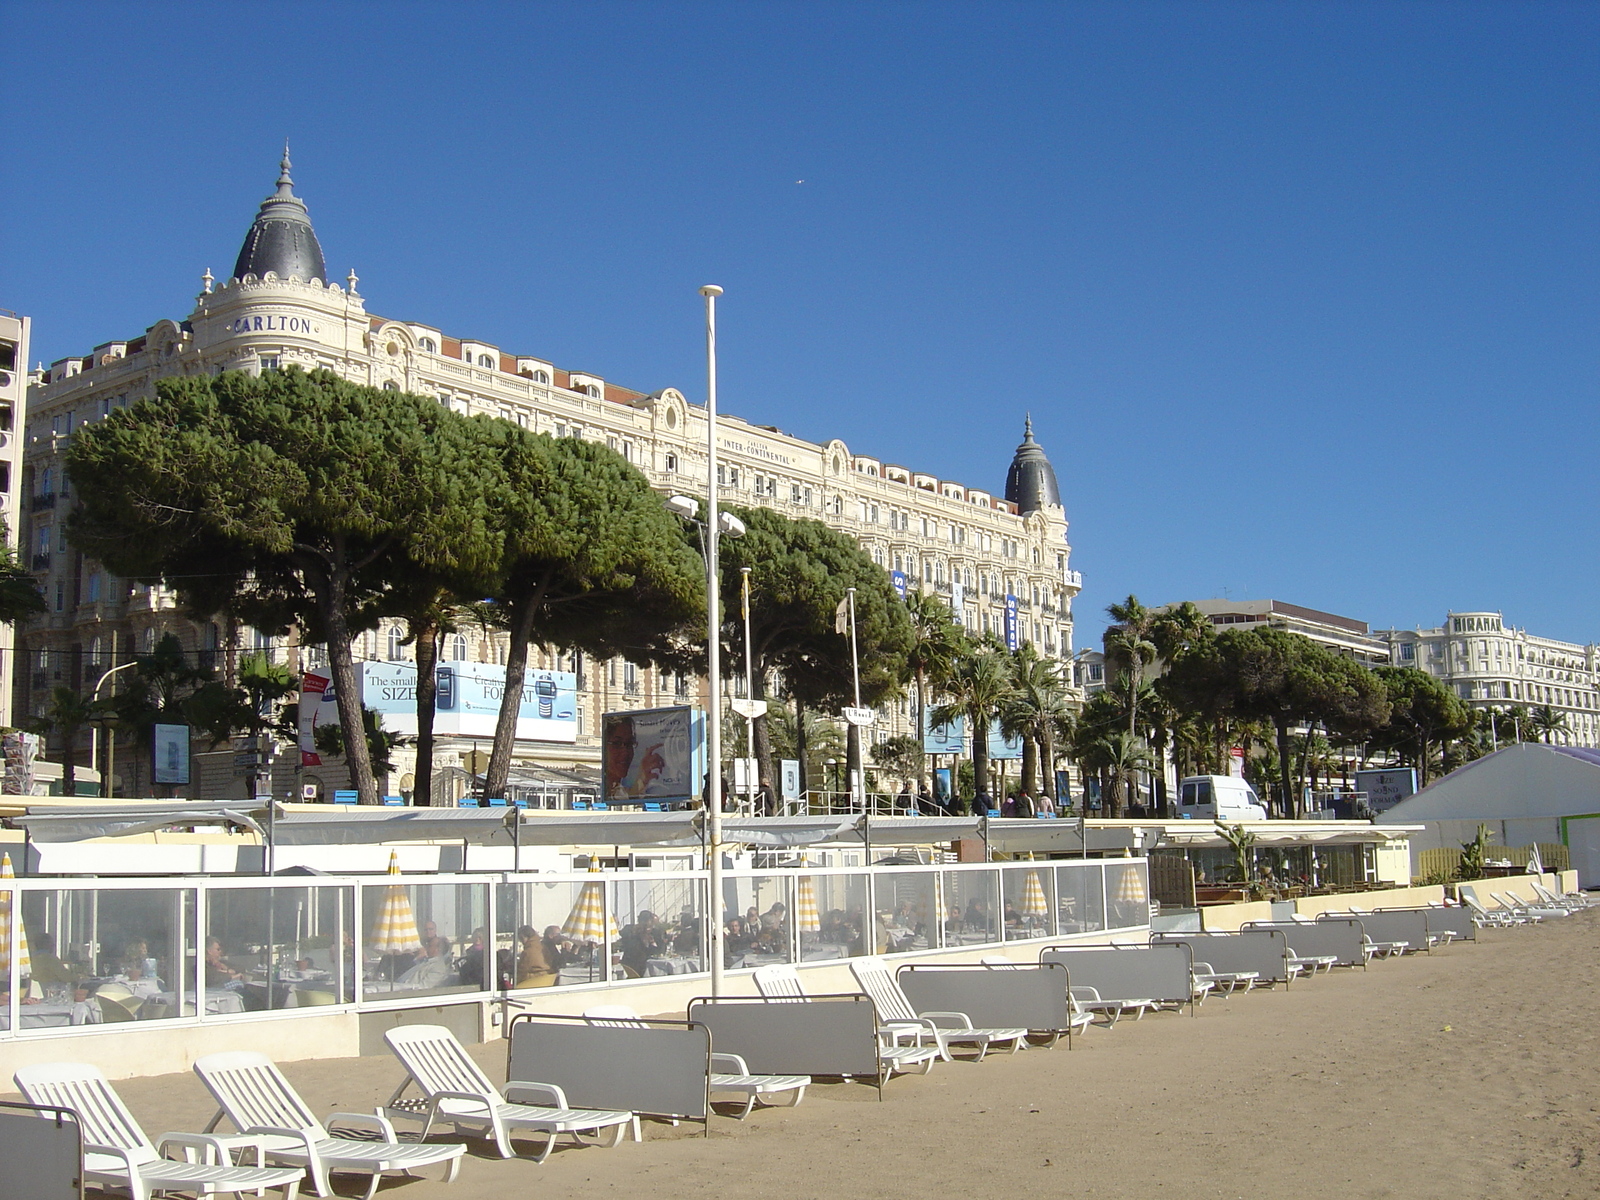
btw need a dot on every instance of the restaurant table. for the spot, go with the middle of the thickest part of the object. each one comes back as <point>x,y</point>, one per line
<point>671,965</point>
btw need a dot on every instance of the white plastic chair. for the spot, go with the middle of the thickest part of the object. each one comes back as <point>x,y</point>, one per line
<point>1534,912</point>
<point>455,1091</point>
<point>1497,917</point>
<point>780,982</point>
<point>896,1014</point>
<point>735,1075</point>
<point>1572,903</point>
<point>257,1099</point>
<point>1226,982</point>
<point>1088,999</point>
<point>117,1154</point>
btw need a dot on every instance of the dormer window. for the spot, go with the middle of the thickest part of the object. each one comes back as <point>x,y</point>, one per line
<point>592,389</point>
<point>541,376</point>
<point>485,360</point>
<point>428,344</point>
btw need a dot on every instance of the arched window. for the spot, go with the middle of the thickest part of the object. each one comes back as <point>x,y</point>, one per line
<point>541,376</point>
<point>428,345</point>
<point>672,463</point>
<point>395,639</point>
<point>485,360</point>
<point>458,647</point>
<point>594,390</point>
<point>390,385</point>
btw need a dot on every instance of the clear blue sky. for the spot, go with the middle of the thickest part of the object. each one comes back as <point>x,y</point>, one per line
<point>1302,297</point>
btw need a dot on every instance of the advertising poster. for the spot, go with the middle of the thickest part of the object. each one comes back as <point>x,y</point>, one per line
<point>941,786</point>
<point>898,578</point>
<point>1385,789</point>
<point>467,700</point>
<point>1012,641</point>
<point>1000,746</point>
<point>171,757</point>
<point>653,754</point>
<point>316,708</point>
<point>944,739</point>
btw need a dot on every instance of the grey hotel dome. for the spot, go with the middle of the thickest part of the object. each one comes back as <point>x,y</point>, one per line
<point>1031,482</point>
<point>281,239</point>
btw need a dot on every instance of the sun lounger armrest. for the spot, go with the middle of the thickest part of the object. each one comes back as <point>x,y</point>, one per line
<point>548,1092</point>
<point>216,1152</point>
<point>729,1064</point>
<point>947,1020</point>
<point>376,1120</point>
<point>304,1137</point>
<point>899,1027</point>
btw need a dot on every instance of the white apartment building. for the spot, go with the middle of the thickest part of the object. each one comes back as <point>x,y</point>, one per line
<point>278,308</point>
<point>1491,665</point>
<point>14,331</point>
<point>1346,635</point>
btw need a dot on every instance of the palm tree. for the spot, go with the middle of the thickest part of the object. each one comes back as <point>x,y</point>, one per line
<point>1122,756</point>
<point>1130,643</point>
<point>1038,701</point>
<point>1547,721</point>
<point>67,713</point>
<point>938,641</point>
<point>978,684</point>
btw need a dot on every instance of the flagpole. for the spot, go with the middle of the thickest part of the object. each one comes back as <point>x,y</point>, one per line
<point>858,790</point>
<point>855,662</point>
<point>751,785</point>
<point>713,652</point>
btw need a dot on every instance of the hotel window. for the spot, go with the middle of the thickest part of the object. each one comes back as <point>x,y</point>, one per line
<point>561,429</point>
<point>458,647</point>
<point>485,361</point>
<point>269,362</point>
<point>396,650</point>
<point>61,536</point>
<point>428,345</point>
<point>541,376</point>
<point>671,463</point>
<point>899,563</point>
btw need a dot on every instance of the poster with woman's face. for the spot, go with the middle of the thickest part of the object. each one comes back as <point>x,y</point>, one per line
<point>649,755</point>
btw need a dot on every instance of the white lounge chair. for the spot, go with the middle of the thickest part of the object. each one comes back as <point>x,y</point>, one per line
<point>1226,982</point>
<point>1572,903</point>
<point>1536,912</point>
<point>1495,917</point>
<point>455,1091</point>
<point>256,1098</point>
<point>1088,999</point>
<point>734,1075</point>
<point>117,1154</point>
<point>781,982</point>
<point>1077,1019</point>
<point>947,1029</point>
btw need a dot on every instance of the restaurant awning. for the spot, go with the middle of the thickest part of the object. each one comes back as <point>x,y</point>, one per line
<point>78,823</point>
<point>364,827</point>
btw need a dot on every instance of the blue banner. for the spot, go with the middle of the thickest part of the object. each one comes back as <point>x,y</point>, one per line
<point>898,578</point>
<point>1012,641</point>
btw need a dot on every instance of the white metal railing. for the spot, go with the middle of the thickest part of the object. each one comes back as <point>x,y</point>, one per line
<point>188,951</point>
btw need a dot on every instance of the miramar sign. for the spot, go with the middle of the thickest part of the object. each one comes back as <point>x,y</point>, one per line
<point>271,323</point>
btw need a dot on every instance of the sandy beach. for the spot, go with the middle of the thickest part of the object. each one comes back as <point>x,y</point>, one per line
<point>1470,1072</point>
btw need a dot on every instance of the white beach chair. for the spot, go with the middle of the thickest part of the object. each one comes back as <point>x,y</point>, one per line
<point>947,1029</point>
<point>117,1154</point>
<point>780,982</point>
<point>256,1098</point>
<point>1226,982</point>
<point>1088,999</point>
<point>456,1092</point>
<point>1572,903</point>
<point>1535,912</point>
<point>734,1075</point>
<point>1077,1019</point>
<point>1491,917</point>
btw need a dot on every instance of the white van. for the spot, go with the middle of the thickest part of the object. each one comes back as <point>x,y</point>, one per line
<point>1219,798</point>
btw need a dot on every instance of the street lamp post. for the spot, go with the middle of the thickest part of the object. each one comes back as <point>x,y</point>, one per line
<point>108,760</point>
<point>713,650</point>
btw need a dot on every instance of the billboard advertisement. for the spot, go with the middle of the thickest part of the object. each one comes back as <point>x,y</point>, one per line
<point>898,578</point>
<point>944,739</point>
<point>1385,789</point>
<point>468,700</point>
<point>170,762</point>
<point>316,709</point>
<point>1012,641</point>
<point>653,754</point>
<point>1000,746</point>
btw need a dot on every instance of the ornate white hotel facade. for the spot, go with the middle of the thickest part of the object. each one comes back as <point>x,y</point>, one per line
<point>1491,665</point>
<point>277,309</point>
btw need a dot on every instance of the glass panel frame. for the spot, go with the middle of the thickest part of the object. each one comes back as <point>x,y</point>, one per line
<point>971,902</point>
<point>1080,898</point>
<point>1028,908</point>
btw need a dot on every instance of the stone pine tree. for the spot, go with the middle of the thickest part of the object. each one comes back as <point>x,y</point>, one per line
<point>799,572</point>
<point>590,559</point>
<point>286,498</point>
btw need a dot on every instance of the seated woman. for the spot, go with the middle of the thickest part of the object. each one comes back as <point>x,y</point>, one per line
<point>432,970</point>
<point>534,966</point>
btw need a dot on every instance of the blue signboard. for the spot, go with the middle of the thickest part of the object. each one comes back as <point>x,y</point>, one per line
<point>1001,746</point>
<point>898,578</point>
<point>1012,641</point>
<point>945,739</point>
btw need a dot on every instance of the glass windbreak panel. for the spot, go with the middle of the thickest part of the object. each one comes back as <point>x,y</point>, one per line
<point>423,938</point>
<point>971,907</point>
<point>103,957</point>
<point>660,926</point>
<point>1127,895</point>
<point>758,928</point>
<point>1027,903</point>
<point>555,934</point>
<point>278,947</point>
<point>1284,867</point>
<point>829,916</point>
<point>907,904</point>
<point>1080,899</point>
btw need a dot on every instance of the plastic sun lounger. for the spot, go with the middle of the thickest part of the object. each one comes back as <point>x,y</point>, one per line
<point>945,1028</point>
<point>117,1154</point>
<point>781,982</point>
<point>735,1074</point>
<point>258,1100</point>
<point>1497,917</point>
<point>1572,903</point>
<point>1088,999</point>
<point>456,1092</point>
<point>1537,912</point>
<point>1226,982</point>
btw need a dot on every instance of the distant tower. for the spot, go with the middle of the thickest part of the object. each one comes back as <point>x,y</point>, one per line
<point>1031,482</point>
<point>281,239</point>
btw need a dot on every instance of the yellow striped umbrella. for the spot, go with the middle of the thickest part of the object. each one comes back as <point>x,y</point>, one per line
<point>395,931</point>
<point>806,917</point>
<point>1131,889</point>
<point>589,921</point>
<point>24,963</point>
<point>1033,902</point>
